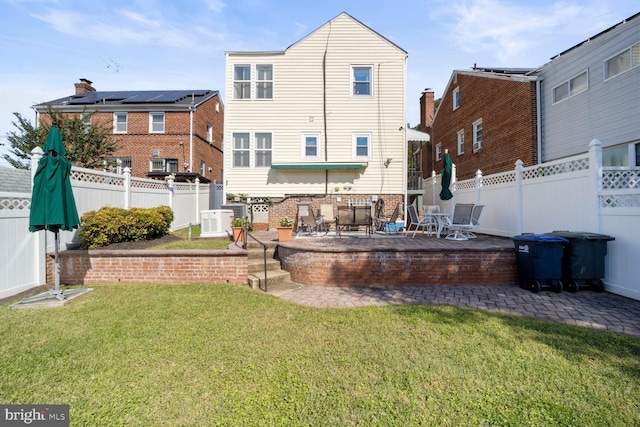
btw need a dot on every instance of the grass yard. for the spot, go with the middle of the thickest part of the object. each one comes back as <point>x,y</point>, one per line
<point>226,355</point>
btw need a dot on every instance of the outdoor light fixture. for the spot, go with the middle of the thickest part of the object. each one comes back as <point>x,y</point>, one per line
<point>387,162</point>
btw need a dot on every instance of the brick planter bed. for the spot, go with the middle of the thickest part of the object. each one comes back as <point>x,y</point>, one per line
<point>101,266</point>
<point>400,262</point>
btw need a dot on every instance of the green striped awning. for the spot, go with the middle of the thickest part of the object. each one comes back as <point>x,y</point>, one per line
<point>318,166</point>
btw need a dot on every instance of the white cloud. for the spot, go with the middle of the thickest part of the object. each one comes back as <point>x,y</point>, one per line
<point>215,5</point>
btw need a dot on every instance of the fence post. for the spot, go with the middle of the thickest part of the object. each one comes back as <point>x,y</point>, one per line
<point>519,197</point>
<point>433,187</point>
<point>197,200</point>
<point>170,179</point>
<point>127,188</point>
<point>478,186</point>
<point>595,172</point>
<point>39,239</point>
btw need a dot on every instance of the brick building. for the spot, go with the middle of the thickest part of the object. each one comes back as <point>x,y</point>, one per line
<point>487,120</point>
<point>159,132</point>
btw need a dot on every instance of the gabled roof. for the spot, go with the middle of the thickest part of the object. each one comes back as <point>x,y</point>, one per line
<point>132,97</point>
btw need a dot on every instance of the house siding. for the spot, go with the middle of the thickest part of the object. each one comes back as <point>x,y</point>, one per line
<point>297,108</point>
<point>608,110</point>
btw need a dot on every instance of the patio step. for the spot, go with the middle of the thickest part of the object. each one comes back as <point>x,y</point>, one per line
<point>278,280</point>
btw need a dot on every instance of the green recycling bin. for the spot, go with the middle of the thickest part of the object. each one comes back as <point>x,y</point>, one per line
<point>583,259</point>
<point>539,258</point>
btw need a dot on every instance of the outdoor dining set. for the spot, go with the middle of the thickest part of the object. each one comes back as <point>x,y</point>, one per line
<point>458,225</point>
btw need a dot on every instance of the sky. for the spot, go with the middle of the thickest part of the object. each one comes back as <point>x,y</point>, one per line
<point>46,46</point>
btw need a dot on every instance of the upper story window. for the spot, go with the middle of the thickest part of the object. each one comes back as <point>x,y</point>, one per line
<point>119,122</point>
<point>310,146</point>
<point>156,122</point>
<point>203,167</point>
<point>242,82</point>
<point>241,151</point>
<point>362,145</point>
<point>477,135</point>
<point>624,61</point>
<point>86,119</point>
<point>263,149</point>
<point>264,81</point>
<point>461,142</point>
<point>361,78</point>
<point>573,86</point>
<point>438,151</point>
<point>456,98</point>
<point>209,133</point>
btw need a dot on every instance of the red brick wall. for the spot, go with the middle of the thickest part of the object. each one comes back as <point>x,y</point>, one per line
<point>150,267</point>
<point>406,268</point>
<point>508,112</point>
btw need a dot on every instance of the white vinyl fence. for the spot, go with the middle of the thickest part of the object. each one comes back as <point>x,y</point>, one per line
<point>573,194</point>
<point>22,254</point>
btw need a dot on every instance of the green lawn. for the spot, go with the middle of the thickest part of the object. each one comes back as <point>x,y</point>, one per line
<point>225,355</point>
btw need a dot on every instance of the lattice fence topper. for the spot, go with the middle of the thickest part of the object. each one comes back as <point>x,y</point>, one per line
<point>620,201</point>
<point>503,178</point>
<point>467,184</point>
<point>96,178</point>
<point>620,179</point>
<point>15,203</point>
<point>148,184</point>
<point>577,165</point>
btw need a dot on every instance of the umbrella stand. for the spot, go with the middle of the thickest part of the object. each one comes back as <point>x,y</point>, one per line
<point>55,293</point>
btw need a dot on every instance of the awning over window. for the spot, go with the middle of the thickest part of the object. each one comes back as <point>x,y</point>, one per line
<point>318,166</point>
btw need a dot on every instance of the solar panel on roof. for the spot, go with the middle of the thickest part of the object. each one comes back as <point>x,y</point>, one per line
<point>136,97</point>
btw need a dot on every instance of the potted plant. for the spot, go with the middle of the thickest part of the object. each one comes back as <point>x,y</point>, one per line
<point>285,229</point>
<point>237,225</point>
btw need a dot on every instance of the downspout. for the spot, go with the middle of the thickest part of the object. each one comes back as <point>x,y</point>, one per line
<point>191,108</point>
<point>539,120</point>
<point>404,139</point>
<point>324,110</point>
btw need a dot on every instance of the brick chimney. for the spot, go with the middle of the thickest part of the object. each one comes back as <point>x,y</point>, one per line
<point>427,109</point>
<point>84,86</point>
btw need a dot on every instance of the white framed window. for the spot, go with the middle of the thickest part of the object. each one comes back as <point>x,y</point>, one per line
<point>477,135</point>
<point>264,81</point>
<point>119,122</point>
<point>624,61</point>
<point>571,87</point>
<point>209,133</point>
<point>203,168</point>
<point>86,119</point>
<point>163,165</point>
<point>156,122</point>
<point>263,149</point>
<point>361,80</point>
<point>456,98</point>
<point>241,82</point>
<point>438,151</point>
<point>311,146</point>
<point>241,153</point>
<point>361,145</point>
<point>461,142</point>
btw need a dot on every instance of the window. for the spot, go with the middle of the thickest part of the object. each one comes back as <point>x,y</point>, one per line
<point>622,62</point>
<point>461,142</point>
<point>86,119</point>
<point>456,98</point>
<point>362,145</point>
<point>202,167</point>
<point>163,165</point>
<point>119,122</point>
<point>241,82</point>
<point>361,79</point>
<point>209,133</point>
<point>240,150</point>
<point>263,149</point>
<point>573,86</point>
<point>438,151</point>
<point>156,122</point>
<point>264,81</point>
<point>112,163</point>
<point>477,135</point>
<point>310,146</point>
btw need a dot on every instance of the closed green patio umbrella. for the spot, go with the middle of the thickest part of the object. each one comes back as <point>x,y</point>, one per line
<point>447,168</point>
<point>53,206</point>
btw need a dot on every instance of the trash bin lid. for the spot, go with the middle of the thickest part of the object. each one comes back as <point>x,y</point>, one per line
<point>540,238</point>
<point>581,235</point>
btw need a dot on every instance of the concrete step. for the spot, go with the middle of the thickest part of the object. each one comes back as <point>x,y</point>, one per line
<point>257,265</point>
<point>274,277</point>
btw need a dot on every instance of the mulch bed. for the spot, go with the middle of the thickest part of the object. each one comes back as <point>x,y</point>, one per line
<point>142,244</point>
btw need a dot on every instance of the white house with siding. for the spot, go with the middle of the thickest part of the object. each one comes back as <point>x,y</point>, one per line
<point>323,118</point>
<point>592,90</point>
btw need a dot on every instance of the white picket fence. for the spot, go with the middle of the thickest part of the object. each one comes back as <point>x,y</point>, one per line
<point>573,194</point>
<point>22,254</point>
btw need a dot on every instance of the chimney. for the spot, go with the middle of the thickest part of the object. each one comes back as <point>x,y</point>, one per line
<point>427,109</point>
<point>84,86</point>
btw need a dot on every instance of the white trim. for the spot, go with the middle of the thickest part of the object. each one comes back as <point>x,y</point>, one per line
<point>632,64</point>
<point>477,145</point>
<point>303,146</point>
<point>455,98</point>
<point>353,81</point>
<point>115,121</point>
<point>354,139</point>
<point>151,122</point>
<point>459,134</point>
<point>570,89</point>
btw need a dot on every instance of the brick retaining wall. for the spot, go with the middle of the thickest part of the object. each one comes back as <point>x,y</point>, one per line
<point>311,266</point>
<point>89,267</point>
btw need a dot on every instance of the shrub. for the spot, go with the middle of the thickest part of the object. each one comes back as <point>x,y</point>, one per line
<point>114,225</point>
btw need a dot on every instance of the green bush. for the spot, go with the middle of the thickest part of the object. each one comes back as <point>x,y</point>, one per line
<point>115,225</point>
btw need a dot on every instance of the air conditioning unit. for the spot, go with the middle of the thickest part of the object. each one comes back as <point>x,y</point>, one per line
<point>216,223</point>
<point>239,209</point>
<point>477,146</point>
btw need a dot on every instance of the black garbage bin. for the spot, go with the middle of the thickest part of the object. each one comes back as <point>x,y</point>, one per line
<point>539,258</point>
<point>583,260</point>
